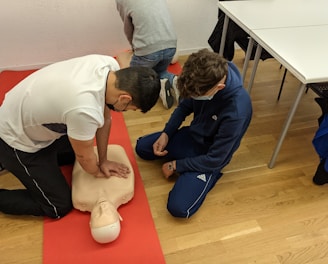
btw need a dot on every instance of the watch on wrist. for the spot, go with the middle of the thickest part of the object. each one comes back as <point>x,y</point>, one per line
<point>171,166</point>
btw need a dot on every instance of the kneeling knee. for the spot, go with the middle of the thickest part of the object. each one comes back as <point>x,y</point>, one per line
<point>138,151</point>
<point>65,210</point>
<point>143,153</point>
<point>60,211</point>
<point>178,211</point>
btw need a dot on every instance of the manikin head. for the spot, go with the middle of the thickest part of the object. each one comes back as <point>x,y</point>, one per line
<point>105,222</point>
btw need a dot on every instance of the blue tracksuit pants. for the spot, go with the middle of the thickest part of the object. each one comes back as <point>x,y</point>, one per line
<point>191,187</point>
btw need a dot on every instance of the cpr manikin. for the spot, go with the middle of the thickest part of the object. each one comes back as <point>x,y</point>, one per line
<point>103,196</point>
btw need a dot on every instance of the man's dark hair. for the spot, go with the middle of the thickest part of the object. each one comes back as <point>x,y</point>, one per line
<point>201,72</point>
<point>141,83</point>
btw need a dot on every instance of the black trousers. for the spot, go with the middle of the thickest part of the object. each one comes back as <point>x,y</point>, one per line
<point>234,34</point>
<point>47,192</point>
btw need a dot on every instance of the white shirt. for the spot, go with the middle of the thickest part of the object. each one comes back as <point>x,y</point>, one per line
<point>66,97</point>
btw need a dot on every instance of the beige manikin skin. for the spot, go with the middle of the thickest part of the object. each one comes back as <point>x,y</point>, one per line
<point>102,196</point>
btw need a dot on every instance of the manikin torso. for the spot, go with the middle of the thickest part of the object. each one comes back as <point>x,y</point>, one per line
<point>102,196</point>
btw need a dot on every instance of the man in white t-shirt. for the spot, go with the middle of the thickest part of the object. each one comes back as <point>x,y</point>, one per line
<point>54,116</point>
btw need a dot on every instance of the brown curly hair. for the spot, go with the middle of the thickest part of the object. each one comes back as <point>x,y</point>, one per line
<point>201,72</point>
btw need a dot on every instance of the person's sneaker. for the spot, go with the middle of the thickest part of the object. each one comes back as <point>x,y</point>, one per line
<point>321,175</point>
<point>175,89</point>
<point>165,94</point>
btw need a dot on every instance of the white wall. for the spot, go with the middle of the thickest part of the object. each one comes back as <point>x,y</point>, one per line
<point>34,33</point>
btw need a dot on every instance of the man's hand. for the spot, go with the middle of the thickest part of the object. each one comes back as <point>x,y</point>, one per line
<point>168,169</point>
<point>160,145</point>
<point>113,168</point>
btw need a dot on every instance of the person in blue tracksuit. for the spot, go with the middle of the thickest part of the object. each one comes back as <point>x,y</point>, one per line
<point>320,143</point>
<point>211,89</point>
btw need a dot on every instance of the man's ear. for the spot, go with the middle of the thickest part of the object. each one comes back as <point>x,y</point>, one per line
<point>220,86</point>
<point>125,98</point>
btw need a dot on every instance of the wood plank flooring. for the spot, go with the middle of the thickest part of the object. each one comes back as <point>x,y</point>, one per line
<point>253,215</point>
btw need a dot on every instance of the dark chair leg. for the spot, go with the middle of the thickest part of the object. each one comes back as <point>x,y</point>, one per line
<point>282,84</point>
<point>307,88</point>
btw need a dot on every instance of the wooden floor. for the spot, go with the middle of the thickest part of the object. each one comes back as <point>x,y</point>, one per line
<point>253,215</point>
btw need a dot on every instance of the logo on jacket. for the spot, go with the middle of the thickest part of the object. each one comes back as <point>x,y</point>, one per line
<point>202,177</point>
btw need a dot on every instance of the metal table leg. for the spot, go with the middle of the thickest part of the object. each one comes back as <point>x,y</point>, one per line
<point>224,34</point>
<point>247,57</point>
<point>256,62</point>
<point>286,126</point>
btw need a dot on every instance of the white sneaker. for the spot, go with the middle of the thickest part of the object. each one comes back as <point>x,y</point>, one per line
<point>175,89</point>
<point>165,94</point>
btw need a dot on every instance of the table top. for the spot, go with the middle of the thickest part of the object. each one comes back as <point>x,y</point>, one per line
<point>294,32</point>
<point>260,14</point>
<point>302,50</point>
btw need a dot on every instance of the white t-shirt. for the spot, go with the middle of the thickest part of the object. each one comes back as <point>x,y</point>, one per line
<point>67,97</point>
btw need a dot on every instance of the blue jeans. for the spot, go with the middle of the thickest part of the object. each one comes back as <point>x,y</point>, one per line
<point>158,61</point>
<point>191,187</point>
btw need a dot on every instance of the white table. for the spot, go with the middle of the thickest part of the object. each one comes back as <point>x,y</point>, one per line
<point>303,51</point>
<point>287,30</point>
<point>261,14</point>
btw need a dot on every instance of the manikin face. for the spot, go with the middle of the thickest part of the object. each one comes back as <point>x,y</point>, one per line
<point>105,222</point>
